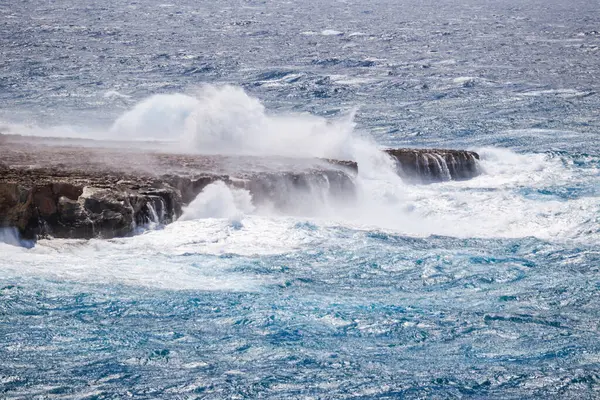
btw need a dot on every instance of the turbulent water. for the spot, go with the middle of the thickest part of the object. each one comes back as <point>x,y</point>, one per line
<point>486,288</point>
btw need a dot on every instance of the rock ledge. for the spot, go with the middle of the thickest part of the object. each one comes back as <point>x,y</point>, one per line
<point>63,189</point>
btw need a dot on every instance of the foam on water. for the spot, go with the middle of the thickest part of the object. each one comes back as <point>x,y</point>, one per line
<point>218,201</point>
<point>331,32</point>
<point>517,195</point>
<point>252,235</point>
<point>189,254</point>
<point>113,94</point>
<point>131,262</point>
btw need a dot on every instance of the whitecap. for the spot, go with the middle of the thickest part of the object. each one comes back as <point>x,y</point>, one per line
<point>331,32</point>
<point>113,94</point>
<point>564,93</point>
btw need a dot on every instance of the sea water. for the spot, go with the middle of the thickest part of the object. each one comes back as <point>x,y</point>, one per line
<point>486,288</point>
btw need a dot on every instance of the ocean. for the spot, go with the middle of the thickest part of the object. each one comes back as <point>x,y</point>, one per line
<point>483,288</point>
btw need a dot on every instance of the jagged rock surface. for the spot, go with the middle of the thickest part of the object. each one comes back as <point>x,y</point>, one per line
<point>435,165</point>
<point>41,202</point>
<point>67,191</point>
<point>63,189</point>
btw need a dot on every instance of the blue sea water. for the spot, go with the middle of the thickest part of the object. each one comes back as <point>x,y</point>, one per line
<point>487,288</point>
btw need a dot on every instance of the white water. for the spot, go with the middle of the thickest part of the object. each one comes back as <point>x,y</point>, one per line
<point>219,201</point>
<point>222,220</point>
<point>227,120</point>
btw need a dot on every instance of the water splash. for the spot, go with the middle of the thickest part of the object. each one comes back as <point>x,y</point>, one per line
<point>217,200</point>
<point>11,236</point>
<point>226,120</point>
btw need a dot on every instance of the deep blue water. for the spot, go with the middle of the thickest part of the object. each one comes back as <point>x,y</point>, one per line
<point>395,317</point>
<point>487,289</point>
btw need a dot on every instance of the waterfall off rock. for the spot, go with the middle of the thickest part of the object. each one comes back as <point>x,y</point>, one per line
<point>435,165</point>
<point>74,190</point>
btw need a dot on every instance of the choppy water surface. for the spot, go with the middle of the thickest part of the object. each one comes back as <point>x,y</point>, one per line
<point>487,288</point>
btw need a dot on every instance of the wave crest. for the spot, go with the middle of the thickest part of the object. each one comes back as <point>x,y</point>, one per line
<point>226,120</point>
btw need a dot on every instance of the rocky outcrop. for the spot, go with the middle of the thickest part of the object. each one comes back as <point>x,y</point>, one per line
<point>44,203</point>
<point>72,191</point>
<point>435,165</point>
<point>69,202</point>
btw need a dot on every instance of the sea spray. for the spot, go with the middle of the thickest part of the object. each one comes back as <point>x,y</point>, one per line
<point>226,120</point>
<point>219,201</point>
<point>12,237</point>
<point>159,117</point>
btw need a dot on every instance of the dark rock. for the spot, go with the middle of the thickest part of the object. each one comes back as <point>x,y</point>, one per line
<point>16,206</point>
<point>44,201</point>
<point>86,192</point>
<point>351,165</point>
<point>74,221</point>
<point>68,190</point>
<point>435,165</point>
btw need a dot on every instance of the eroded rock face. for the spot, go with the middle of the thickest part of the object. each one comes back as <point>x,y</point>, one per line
<point>86,209</point>
<point>68,190</point>
<point>50,203</point>
<point>435,165</point>
<point>16,206</point>
<point>295,192</point>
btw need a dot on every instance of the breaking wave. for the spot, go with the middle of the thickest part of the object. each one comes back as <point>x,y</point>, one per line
<point>517,195</point>
<point>225,120</point>
<point>219,201</point>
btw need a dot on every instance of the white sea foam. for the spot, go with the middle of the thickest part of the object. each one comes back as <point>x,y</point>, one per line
<point>251,235</point>
<point>219,201</point>
<point>225,120</point>
<point>347,80</point>
<point>331,32</point>
<point>179,257</point>
<point>113,94</point>
<point>508,200</point>
<point>132,261</point>
<point>565,93</point>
